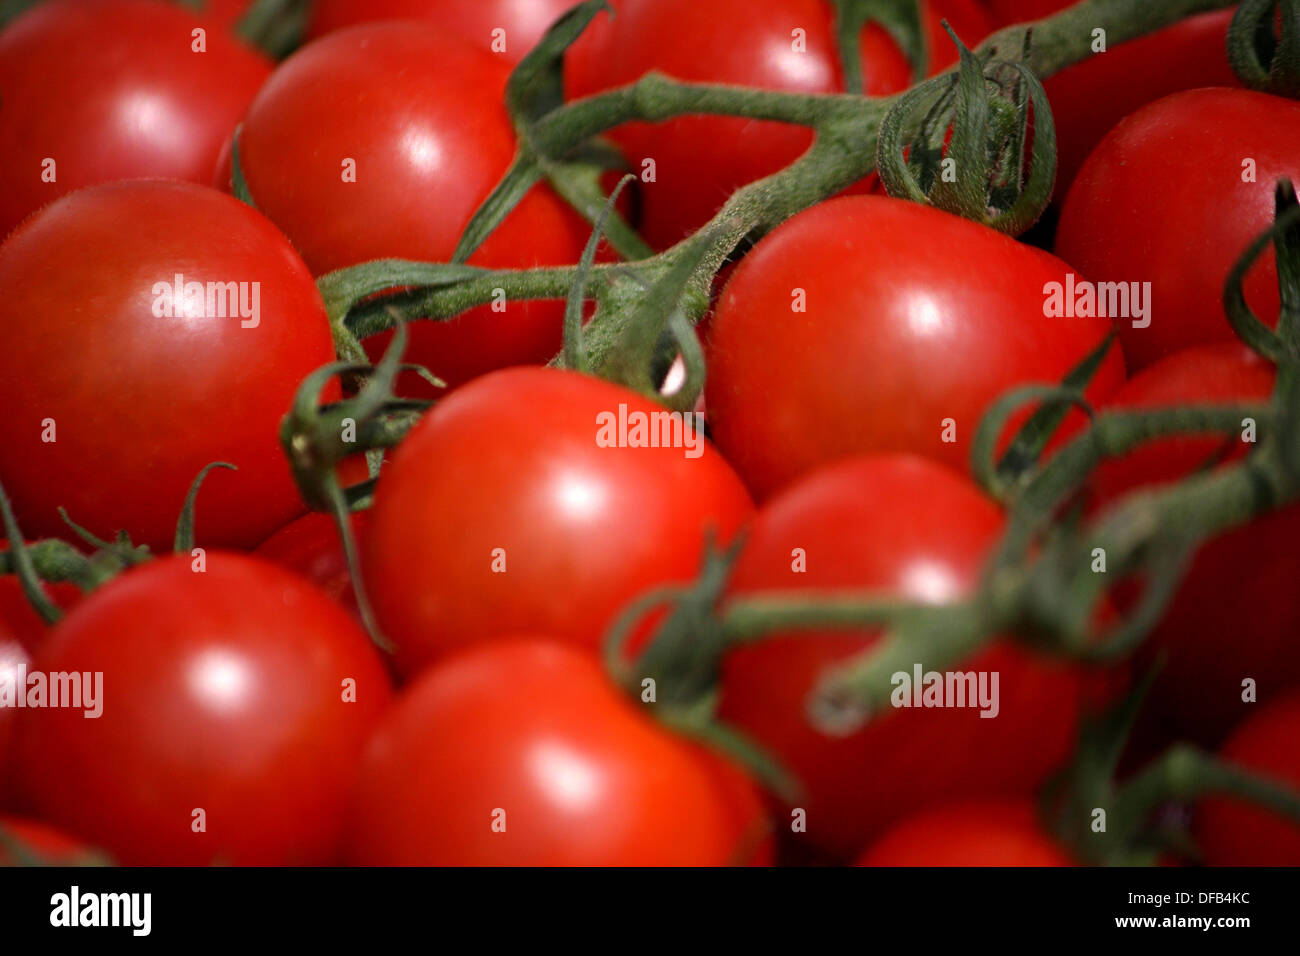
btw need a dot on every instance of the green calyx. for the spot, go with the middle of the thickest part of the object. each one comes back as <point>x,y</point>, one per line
<point>967,150</point>
<point>1263,58</point>
<point>901,19</point>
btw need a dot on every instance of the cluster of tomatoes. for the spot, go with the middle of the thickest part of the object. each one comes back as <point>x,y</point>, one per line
<point>247,715</point>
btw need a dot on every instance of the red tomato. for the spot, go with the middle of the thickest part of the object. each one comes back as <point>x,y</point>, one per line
<point>522,753</point>
<point>1162,200</point>
<point>1207,645</point>
<point>225,691</point>
<point>224,13</point>
<point>501,513</point>
<point>1233,832</point>
<point>1022,11</point>
<point>421,116</point>
<point>311,547</point>
<point>989,833</point>
<point>19,618</point>
<point>906,527</point>
<point>701,160</point>
<point>1088,99</point>
<point>139,402</point>
<point>524,21</point>
<point>113,90</point>
<point>911,316</point>
<point>50,846</point>
<point>14,661</point>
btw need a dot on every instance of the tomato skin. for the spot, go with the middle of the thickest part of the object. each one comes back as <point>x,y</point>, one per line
<point>421,114</point>
<point>524,21</point>
<point>1252,567</point>
<point>138,103</point>
<point>701,160</point>
<point>1171,171</point>
<point>1233,832</point>
<point>223,690</point>
<point>533,728</point>
<point>143,402</point>
<point>14,658</point>
<point>511,462</point>
<point>17,616</point>
<point>52,846</point>
<point>311,546</point>
<point>989,833</point>
<point>1006,12</point>
<point>905,527</point>
<point>1090,98</point>
<point>897,336</point>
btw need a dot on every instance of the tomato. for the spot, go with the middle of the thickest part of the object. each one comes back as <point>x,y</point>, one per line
<point>1003,833</point>
<point>224,13</point>
<point>1088,99</point>
<point>524,21</point>
<point>137,402</point>
<point>52,847</point>
<point>1206,645</point>
<point>910,317</point>
<point>1233,832</point>
<point>1172,171</point>
<point>1022,11</point>
<point>225,691</point>
<point>905,527</point>
<point>14,661</point>
<point>701,160</point>
<point>421,116</point>
<point>502,513</point>
<point>311,546</point>
<point>109,90</point>
<point>19,618</point>
<point>522,753</point>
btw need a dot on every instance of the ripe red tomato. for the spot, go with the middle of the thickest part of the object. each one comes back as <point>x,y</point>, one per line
<point>420,115</point>
<point>310,545</point>
<point>138,402</point>
<point>990,833</point>
<point>1233,832</point>
<point>224,690</point>
<point>701,160</point>
<point>50,846</point>
<point>1022,11</point>
<point>501,513</point>
<point>17,616</point>
<point>911,316</point>
<point>522,753</point>
<point>901,526</point>
<point>1171,171</point>
<point>524,21</point>
<point>1206,644</point>
<point>112,89</point>
<point>224,13</point>
<point>1088,99</point>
